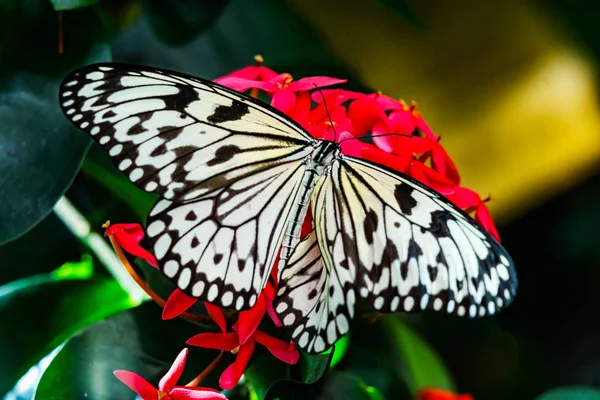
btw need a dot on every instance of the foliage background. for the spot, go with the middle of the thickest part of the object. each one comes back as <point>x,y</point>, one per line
<point>511,86</point>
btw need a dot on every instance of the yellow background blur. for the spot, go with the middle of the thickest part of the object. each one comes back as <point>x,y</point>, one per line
<point>513,96</point>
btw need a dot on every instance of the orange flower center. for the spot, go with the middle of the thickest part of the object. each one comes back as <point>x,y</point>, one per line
<point>287,78</point>
<point>163,395</point>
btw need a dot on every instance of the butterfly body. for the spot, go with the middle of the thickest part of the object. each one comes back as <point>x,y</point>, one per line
<point>235,178</point>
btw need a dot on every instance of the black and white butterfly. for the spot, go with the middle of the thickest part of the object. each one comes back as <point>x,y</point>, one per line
<point>236,176</point>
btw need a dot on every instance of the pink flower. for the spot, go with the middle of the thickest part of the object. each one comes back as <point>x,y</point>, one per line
<point>256,72</point>
<point>282,87</point>
<point>241,345</point>
<point>166,387</point>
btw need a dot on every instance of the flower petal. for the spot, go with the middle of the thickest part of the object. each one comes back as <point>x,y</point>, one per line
<point>484,218</point>
<point>232,374</point>
<point>431,178</point>
<point>301,111</point>
<point>284,100</point>
<point>195,393</point>
<point>177,303</point>
<point>269,293</point>
<point>138,384</point>
<point>130,243</point>
<point>253,72</point>
<point>219,341</point>
<point>439,394</point>
<point>285,351</point>
<point>249,320</point>
<point>241,84</point>
<point>314,82</point>
<point>402,122</point>
<point>372,153</point>
<point>363,114</point>
<point>168,381</point>
<point>216,313</point>
<point>442,162</point>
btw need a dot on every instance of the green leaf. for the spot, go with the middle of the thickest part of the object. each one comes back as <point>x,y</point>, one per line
<point>136,340</point>
<point>571,393</point>
<point>342,385</point>
<point>71,4</point>
<point>109,176</point>
<point>40,150</point>
<point>314,366</point>
<point>340,349</point>
<point>422,365</point>
<point>179,21</point>
<point>264,370</point>
<point>44,310</point>
<point>337,385</point>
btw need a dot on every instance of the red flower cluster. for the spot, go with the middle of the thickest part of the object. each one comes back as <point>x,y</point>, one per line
<point>392,132</point>
<point>387,131</point>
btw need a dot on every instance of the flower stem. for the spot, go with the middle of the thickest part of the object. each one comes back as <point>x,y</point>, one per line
<point>142,284</point>
<point>80,227</point>
<point>197,380</point>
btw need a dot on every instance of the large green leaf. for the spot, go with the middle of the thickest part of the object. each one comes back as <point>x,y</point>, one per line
<point>179,21</point>
<point>40,312</point>
<point>136,340</point>
<point>336,385</point>
<point>571,393</point>
<point>40,151</point>
<point>421,365</point>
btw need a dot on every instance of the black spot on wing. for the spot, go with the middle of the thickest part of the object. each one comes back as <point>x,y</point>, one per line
<point>224,154</point>
<point>370,225</point>
<point>406,201</point>
<point>183,98</point>
<point>234,112</point>
<point>433,272</point>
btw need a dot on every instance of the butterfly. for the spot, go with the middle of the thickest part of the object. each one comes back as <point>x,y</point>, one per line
<point>236,177</point>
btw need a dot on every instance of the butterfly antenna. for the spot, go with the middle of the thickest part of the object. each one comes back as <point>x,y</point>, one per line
<point>374,136</point>
<point>331,123</point>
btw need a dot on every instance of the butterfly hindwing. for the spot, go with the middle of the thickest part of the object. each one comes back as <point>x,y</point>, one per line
<point>221,247</point>
<point>417,251</point>
<point>399,245</point>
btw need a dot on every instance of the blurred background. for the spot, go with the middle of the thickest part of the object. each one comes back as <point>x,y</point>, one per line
<point>511,86</point>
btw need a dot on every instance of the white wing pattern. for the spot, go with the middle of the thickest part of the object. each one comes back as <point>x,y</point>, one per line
<point>226,167</point>
<point>229,170</point>
<point>391,241</point>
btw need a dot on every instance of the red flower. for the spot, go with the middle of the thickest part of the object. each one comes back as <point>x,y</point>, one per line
<point>166,387</point>
<point>256,72</point>
<point>471,202</point>
<point>440,394</point>
<point>282,87</point>
<point>128,236</point>
<point>243,346</point>
<point>177,303</point>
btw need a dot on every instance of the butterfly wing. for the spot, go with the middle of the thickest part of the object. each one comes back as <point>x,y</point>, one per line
<point>396,243</point>
<point>225,166</point>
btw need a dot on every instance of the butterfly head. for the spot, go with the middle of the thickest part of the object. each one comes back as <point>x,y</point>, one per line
<point>325,152</point>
